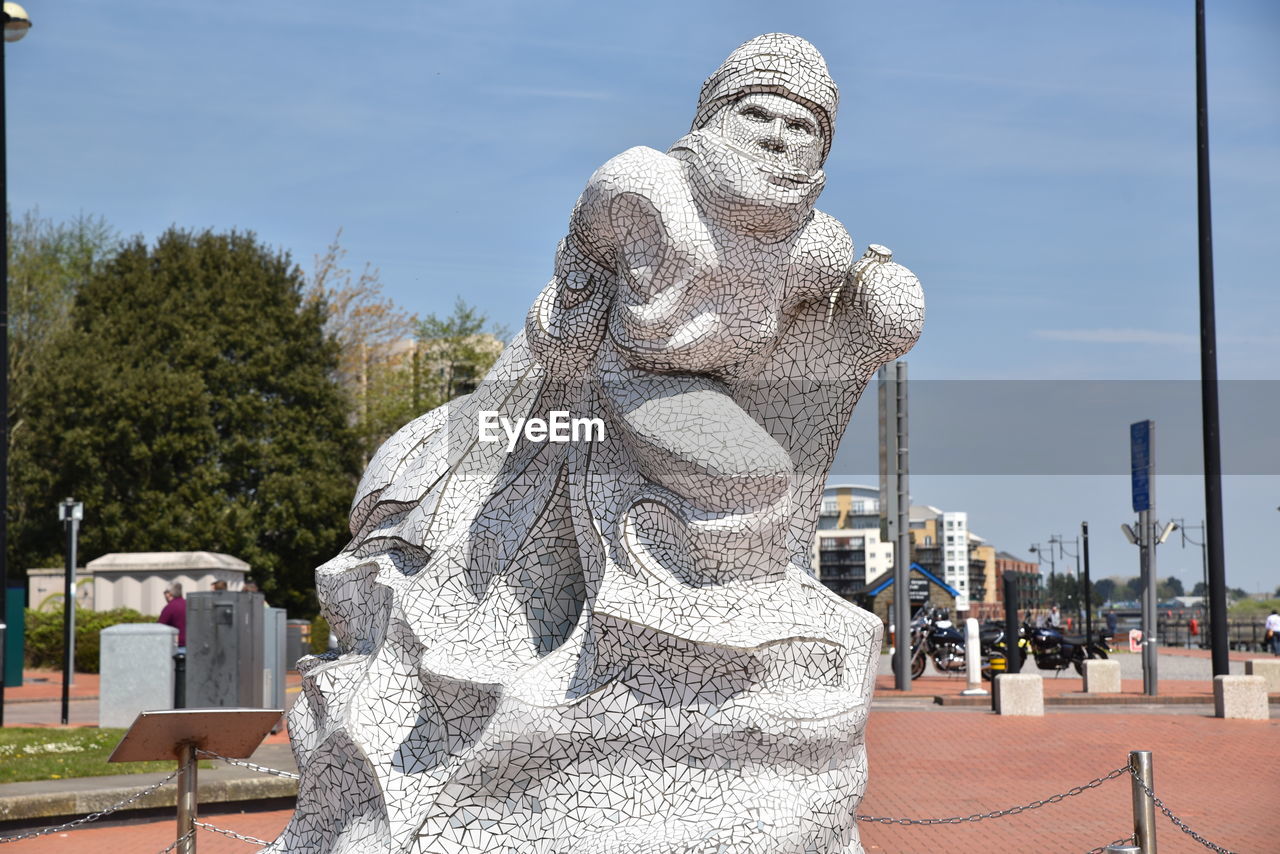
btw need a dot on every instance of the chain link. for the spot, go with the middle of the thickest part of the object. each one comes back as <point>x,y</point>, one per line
<point>1126,840</point>
<point>1052,799</point>
<point>253,766</point>
<point>253,840</point>
<point>1179,823</point>
<point>175,843</point>
<point>93,816</point>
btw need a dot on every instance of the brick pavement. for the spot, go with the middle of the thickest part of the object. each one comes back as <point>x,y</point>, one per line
<point>47,685</point>
<point>1221,776</point>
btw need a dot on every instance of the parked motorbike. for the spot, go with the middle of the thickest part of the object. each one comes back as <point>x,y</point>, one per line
<point>1054,650</point>
<point>991,642</point>
<point>934,638</point>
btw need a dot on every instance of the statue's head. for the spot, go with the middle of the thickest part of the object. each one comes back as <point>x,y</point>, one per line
<point>761,134</point>
<point>774,76</point>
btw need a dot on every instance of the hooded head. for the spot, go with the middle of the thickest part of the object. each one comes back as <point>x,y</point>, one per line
<point>777,64</point>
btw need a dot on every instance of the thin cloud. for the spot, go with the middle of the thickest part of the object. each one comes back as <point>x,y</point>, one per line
<point>570,94</point>
<point>1118,336</point>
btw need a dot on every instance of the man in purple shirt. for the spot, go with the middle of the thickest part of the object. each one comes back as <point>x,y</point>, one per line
<point>175,612</point>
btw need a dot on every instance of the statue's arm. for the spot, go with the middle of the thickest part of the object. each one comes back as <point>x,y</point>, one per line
<point>566,323</point>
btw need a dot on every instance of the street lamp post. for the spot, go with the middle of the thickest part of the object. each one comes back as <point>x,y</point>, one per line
<point>1062,550</point>
<point>1039,550</point>
<point>16,23</point>
<point>70,513</point>
<point>1182,527</point>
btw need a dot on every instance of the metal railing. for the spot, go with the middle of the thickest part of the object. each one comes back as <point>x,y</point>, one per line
<point>1139,769</point>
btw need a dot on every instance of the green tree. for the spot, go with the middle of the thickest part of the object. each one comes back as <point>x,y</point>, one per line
<point>454,353</point>
<point>48,262</point>
<point>1104,590</point>
<point>192,405</point>
<point>375,339</point>
<point>1168,588</point>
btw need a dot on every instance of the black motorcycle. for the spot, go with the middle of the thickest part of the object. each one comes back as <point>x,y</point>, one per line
<point>934,638</point>
<point>991,642</point>
<point>1054,650</point>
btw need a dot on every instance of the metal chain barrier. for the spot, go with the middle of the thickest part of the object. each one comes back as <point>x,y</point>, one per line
<point>253,766</point>
<point>1052,799</point>
<point>1102,849</point>
<point>253,840</point>
<point>93,816</point>
<point>175,843</point>
<point>1179,823</point>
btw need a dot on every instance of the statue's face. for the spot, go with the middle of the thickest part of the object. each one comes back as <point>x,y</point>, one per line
<point>778,131</point>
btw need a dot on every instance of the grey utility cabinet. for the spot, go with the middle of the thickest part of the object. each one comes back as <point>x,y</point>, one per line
<point>225,647</point>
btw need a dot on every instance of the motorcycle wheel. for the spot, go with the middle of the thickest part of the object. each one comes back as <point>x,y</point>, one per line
<point>917,666</point>
<point>946,656</point>
<point>1078,664</point>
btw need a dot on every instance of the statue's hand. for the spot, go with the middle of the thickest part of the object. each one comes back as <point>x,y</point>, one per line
<point>883,297</point>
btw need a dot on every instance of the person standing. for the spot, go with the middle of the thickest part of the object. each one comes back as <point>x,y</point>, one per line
<point>1273,632</point>
<point>175,613</point>
<point>1054,620</point>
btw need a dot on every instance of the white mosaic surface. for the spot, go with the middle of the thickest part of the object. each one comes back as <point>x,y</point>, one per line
<point>615,645</point>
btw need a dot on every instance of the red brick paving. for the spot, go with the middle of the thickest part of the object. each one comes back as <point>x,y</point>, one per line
<point>1221,776</point>
<point>932,686</point>
<point>47,685</point>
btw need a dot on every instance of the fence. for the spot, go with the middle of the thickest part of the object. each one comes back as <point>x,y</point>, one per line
<point>1244,635</point>
<point>1138,769</point>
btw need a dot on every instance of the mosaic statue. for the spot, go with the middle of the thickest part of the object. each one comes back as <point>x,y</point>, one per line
<point>607,639</point>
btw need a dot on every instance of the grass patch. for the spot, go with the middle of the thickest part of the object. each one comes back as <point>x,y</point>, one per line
<point>44,753</point>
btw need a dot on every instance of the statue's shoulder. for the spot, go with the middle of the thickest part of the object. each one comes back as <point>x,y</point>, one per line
<point>640,170</point>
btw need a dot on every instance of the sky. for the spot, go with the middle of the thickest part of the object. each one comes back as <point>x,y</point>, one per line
<point>1032,163</point>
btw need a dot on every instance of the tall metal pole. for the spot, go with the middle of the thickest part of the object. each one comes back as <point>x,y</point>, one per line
<point>1147,543</point>
<point>69,610</point>
<point>1209,370</point>
<point>902,548</point>
<point>1088,590</point>
<point>891,391</point>
<point>4,375</point>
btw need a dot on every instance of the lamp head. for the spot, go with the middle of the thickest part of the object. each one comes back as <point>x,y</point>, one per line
<point>16,22</point>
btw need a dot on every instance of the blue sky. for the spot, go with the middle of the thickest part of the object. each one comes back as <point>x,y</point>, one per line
<point>1033,163</point>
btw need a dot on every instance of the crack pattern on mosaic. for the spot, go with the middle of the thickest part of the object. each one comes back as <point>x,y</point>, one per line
<point>614,644</point>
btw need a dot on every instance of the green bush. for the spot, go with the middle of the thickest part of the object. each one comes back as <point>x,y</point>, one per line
<point>44,635</point>
<point>319,635</point>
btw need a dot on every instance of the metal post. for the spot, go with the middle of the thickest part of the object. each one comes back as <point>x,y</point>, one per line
<point>187,798</point>
<point>892,489</point>
<point>69,615</point>
<point>1147,552</point>
<point>902,598</point>
<point>1209,368</point>
<point>1088,590</point>
<point>1144,808</point>
<point>1012,661</point>
<point>4,368</point>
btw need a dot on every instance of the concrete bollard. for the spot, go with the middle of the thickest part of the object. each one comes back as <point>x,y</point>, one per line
<point>973,659</point>
<point>136,666</point>
<point>1268,669</point>
<point>1101,677</point>
<point>1243,697</point>
<point>1019,694</point>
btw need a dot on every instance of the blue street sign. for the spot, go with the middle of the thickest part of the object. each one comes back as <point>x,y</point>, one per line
<point>1140,463</point>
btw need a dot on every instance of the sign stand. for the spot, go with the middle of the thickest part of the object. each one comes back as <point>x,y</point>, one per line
<point>179,734</point>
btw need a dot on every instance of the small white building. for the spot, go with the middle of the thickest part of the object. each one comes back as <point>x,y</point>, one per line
<point>137,579</point>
